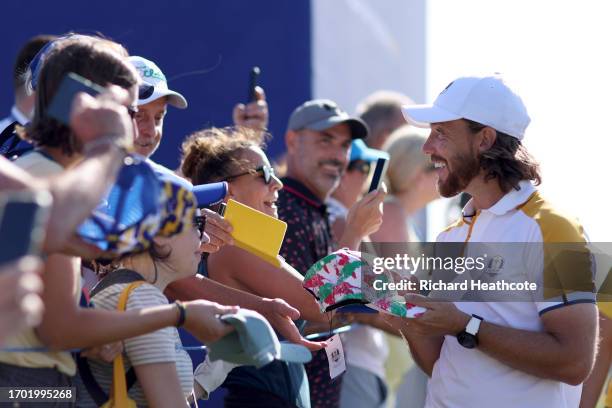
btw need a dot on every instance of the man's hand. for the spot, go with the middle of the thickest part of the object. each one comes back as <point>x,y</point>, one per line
<point>255,114</point>
<point>281,316</point>
<point>20,303</point>
<point>104,116</point>
<point>202,320</point>
<point>218,230</point>
<point>440,319</point>
<point>364,218</point>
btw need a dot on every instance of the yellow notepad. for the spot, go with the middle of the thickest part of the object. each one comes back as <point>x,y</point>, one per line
<point>256,232</point>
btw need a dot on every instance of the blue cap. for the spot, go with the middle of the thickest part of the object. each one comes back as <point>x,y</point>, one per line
<point>141,204</point>
<point>359,151</point>
<point>206,194</point>
<point>210,194</point>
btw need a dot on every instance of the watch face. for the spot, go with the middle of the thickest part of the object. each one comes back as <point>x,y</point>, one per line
<point>467,340</point>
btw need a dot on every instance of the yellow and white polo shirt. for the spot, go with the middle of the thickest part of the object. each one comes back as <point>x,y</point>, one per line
<point>467,377</point>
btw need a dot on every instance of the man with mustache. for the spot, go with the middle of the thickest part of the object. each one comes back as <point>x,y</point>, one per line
<point>503,354</point>
<point>318,143</point>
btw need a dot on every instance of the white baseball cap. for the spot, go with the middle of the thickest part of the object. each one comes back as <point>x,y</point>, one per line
<point>486,100</point>
<point>154,84</point>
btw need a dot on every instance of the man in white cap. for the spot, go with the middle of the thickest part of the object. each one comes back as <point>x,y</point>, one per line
<point>491,353</point>
<point>154,96</point>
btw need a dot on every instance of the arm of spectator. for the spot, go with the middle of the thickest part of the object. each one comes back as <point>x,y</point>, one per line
<point>20,303</point>
<point>564,351</point>
<point>264,279</point>
<point>160,384</point>
<point>101,124</point>
<point>254,115</point>
<point>276,311</point>
<point>364,218</point>
<point>67,326</point>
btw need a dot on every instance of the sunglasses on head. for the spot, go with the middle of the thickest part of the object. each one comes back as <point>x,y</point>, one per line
<point>145,91</point>
<point>265,171</point>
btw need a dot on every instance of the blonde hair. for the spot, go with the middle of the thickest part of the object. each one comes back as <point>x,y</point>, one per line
<point>405,148</point>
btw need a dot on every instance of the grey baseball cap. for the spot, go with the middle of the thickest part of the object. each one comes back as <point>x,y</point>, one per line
<point>321,114</point>
<point>254,342</point>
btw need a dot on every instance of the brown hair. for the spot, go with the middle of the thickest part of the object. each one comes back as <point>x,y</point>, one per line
<point>26,55</point>
<point>213,154</point>
<point>156,252</point>
<point>97,59</point>
<point>507,161</point>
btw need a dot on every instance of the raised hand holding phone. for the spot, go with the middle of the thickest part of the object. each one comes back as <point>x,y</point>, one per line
<point>254,114</point>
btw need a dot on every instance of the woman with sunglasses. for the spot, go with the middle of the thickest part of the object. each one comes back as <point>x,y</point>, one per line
<point>235,155</point>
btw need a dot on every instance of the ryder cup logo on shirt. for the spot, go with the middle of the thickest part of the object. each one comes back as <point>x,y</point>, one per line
<point>495,264</point>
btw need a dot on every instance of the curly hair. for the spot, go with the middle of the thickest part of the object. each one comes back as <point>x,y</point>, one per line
<point>214,154</point>
<point>507,161</point>
<point>97,59</point>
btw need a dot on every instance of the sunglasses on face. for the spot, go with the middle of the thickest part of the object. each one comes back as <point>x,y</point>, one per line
<point>265,171</point>
<point>199,222</point>
<point>145,91</point>
<point>360,166</point>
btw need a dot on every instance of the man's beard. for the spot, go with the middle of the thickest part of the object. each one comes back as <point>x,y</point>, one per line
<point>465,168</point>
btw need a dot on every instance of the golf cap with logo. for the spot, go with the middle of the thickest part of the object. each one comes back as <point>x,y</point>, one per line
<point>321,114</point>
<point>154,84</point>
<point>253,342</point>
<point>487,100</point>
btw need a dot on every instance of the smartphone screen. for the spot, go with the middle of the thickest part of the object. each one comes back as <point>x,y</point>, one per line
<point>71,84</point>
<point>379,173</point>
<point>23,220</point>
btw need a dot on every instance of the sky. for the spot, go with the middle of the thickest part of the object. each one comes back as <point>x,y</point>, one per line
<point>557,56</point>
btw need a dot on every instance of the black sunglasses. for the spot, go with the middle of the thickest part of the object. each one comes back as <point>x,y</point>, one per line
<point>267,172</point>
<point>199,222</point>
<point>145,91</point>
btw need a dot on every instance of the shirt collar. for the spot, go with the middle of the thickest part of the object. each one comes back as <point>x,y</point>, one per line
<point>18,116</point>
<point>508,202</point>
<point>299,190</point>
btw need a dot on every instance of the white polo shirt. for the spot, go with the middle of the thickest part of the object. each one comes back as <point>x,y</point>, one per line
<point>468,377</point>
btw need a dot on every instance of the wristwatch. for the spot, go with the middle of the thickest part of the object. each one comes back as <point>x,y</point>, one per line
<point>467,337</point>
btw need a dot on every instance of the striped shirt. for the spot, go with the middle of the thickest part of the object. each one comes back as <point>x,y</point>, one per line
<point>161,346</point>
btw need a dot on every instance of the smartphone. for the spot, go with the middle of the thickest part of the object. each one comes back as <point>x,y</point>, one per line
<point>23,223</point>
<point>71,84</point>
<point>253,78</point>
<point>221,209</point>
<point>379,173</point>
